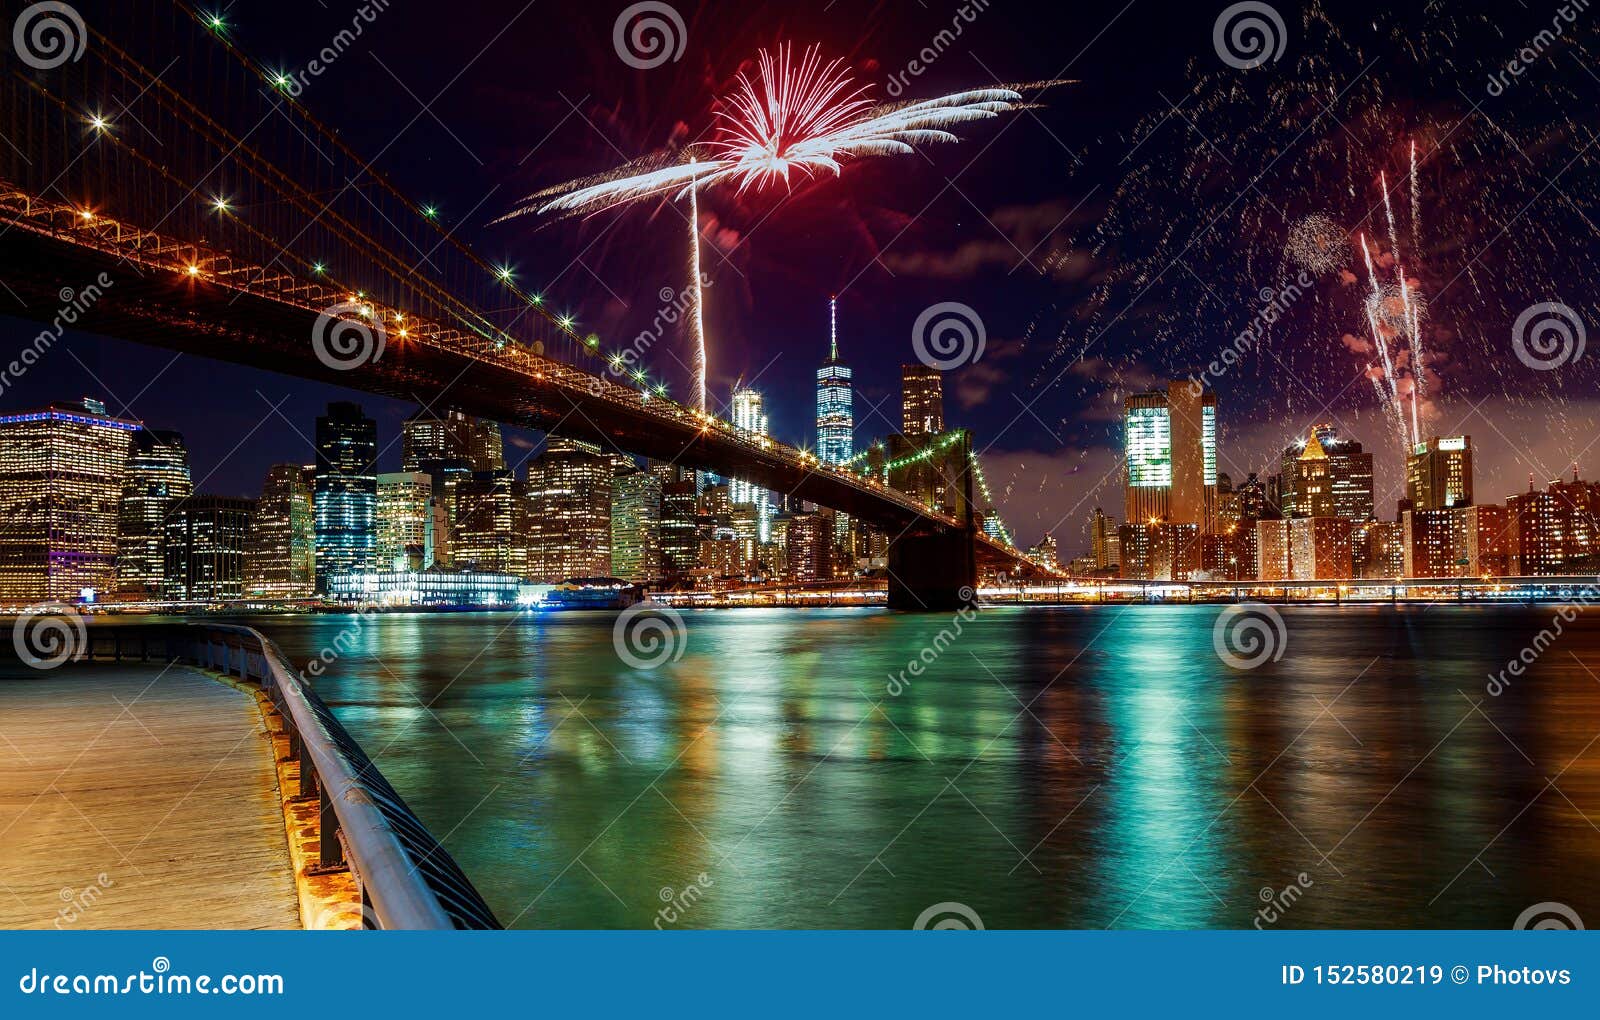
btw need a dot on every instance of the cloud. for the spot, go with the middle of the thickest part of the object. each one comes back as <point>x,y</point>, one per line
<point>977,382</point>
<point>1024,232</point>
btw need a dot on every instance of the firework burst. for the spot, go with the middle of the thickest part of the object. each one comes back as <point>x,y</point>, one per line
<point>806,116</point>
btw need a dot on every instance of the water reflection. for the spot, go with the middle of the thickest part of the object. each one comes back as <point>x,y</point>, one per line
<point>1081,767</point>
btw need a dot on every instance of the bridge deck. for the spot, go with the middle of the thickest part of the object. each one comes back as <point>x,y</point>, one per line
<point>138,796</point>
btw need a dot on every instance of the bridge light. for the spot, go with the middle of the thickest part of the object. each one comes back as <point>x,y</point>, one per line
<point>404,334</point>
<point>504,272</point>
<point>281,80</point>
<point>99,123</point>
<point>194,270</point>
<point>215,22</point>
<point>538,299</point>
<point>431,211</point>
<point>592,340</point>
<point>86,215</point>
<point>566,321</point>
<point>220,204</point>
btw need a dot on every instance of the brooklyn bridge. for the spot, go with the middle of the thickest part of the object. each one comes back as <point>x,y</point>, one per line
<point>201,207</point>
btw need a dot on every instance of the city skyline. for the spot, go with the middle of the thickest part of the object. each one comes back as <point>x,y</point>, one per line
<point>779,298</point>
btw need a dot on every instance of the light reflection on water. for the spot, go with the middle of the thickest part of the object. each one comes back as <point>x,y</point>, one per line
<point>1082,767</point>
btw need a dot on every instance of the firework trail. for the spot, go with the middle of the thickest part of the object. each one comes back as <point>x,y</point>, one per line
<point>806,116</point>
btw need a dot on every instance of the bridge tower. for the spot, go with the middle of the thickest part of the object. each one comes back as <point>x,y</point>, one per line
<point>934,567</point>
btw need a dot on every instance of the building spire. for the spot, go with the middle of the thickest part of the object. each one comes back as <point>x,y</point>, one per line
<point>833,326</point>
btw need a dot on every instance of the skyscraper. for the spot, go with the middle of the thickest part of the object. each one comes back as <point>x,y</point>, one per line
<point>636,527</point>
<point>1439,473</point>
<point>921,401</point>
<point>427,437</point>
<point>835,399</point>
<point>1325,476</point>
<point>405,521</point>
<point>569,487</point>
<point>157,477</point>
<point>1171,441</point>
<point>346,497</point>
<point>61,481</point>
<point>750,417</point>
<point>204,548</point>
<point>280,546</point>
<point>494,524</point>
<point>680,544</point>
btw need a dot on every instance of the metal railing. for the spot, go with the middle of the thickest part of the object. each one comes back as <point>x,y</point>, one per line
<point>406,877</point>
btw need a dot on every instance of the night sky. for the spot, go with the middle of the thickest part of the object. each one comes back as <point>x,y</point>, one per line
<point>1120,233</point>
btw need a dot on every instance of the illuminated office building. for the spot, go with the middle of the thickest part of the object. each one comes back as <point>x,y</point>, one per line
<point>1325,476</point>
<point>345,501</point>
<point>1104,541</point>
<point>1273,550</point>
<point>204,549</point>
<point>1171,439</point>
<point>1559,528</point>
<point>750,418</point>
<point>809,547</point>
<point>921,401</point>
<point>280,546</point>
<point>1435,542</point>
<point>636,527</point>
<point>405,521</point>
<point>835,400</point>
<point>1439,473</point>
<point>1462,541</point>
<point>62,471</point>
<point>1385,553</point>
<point>569,488</point>
<point>157,478</point>
<point>494,529</point>
<point>1319,548</point>
<point>456,436</point>
<point>680,543</point>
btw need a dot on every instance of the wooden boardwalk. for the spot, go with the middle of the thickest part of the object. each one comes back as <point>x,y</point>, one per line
<point>138,796</point>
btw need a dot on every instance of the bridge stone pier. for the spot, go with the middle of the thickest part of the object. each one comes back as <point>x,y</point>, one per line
<point>933,570</point>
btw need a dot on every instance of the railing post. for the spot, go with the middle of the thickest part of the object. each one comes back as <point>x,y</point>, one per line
<point>331,849</point>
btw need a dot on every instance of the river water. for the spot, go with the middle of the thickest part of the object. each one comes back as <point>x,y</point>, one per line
<point>1080,767</point>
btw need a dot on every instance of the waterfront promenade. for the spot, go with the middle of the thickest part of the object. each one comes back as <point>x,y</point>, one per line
<point>140,795</point>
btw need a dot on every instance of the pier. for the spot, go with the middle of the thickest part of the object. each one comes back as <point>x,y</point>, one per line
<point>184,777</point>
